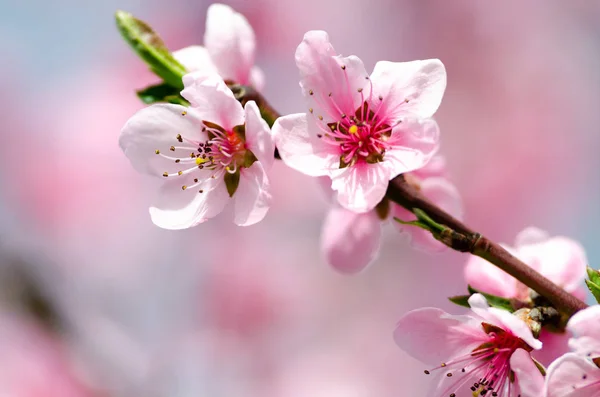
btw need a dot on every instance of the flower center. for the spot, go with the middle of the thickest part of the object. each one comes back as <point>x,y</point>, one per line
<point>224,152</point>
<point>485,370</point>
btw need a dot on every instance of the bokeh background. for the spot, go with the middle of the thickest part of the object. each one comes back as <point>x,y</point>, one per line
<point>96,301</point>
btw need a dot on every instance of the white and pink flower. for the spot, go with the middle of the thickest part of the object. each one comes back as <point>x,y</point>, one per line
<point>360,130</point>
<point>229,47</point>
<point>577,374</point>
<point>560,259</point>
<point>208,153</point>
<point>487,354</point>
<point>350,241</point>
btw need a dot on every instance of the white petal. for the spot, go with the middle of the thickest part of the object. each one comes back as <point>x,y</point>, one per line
<point>195,59</point>
<point>360,187</point>
<point>156,128</point>
<point>252,198</point>
<point>300,150</point>
<point>257,78</point>
<point>572,376</point>
<point>230,41</point>
<point>531,235</point>
<point>258,136</point>
<point>415,87</point>
<point>212,100</point>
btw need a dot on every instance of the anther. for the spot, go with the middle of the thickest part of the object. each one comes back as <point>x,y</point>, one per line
<point>353,129</point>
<point>443,365</point>
<point>343,67</point>
<point>183,187</point>
<point>165,174</point>
<point>179,138</point>
<point>157,151</point>
<point>310,92</point>
<point>321,118</point>
<point>179,172</point>
<point>200,191</point>
<point>196,180</point>
<point>406,100</point>
<point>310,110</point>
<point>360,90</point>
<point>380,98</point>
<point>183,113</point>
<point>449,374</point>
<point>319,136</point>
<point>177,160</point>
<point>172,148</point>
<point>427,372</point>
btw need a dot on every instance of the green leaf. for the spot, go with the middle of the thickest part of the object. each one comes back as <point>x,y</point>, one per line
<point>413,223</point>
<point>150,47</point>
<point>460,300</point>
<point>593,275</point>
<point>232,181</point>
<point>493,300</point>
<point>594,289</point>
<point>161,93</point>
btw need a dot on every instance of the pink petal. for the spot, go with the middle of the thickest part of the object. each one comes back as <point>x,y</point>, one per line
<point>252,198</point>
<point>485,277</point>
<point>257,78</point>
<point>300,150</point>
<point>503,319</point>
<point>156,128</point>
<point>258,136</point>
<point>434,336</point>
<point>531,235</point>
<point>560,259</point>
<point>349,240</point>
<point>585,327</point>
<point>528,377</point>
<point>422,83</point>
<point>360,187</point>
<point>436,167</point>
<point>572,376</point>
<point>442,193</point>
<point>322,74</point>
<point>196,59</point>
<point>413,143</point>
<point>212,100</point>
<point>175,208</point>
<point>230,41</point>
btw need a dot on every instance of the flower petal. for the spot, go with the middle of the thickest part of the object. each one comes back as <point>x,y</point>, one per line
<point>332,84</point>
<point>415,87</point>
<point>300,150</point>
<point>529,378</point>
<point>503,319</point>
<point>436,167</point>
<point>258,136</point>
<point>212,99</point>
<point>413,143</point>
<point>252,198</point>
<point>585,327</point>
<point>195,59</point>
<point>180,209</point>
<point>360,187</point>
<point>230,41</point>
<point>257,78</point>
<point>349,240</point>
<point>434,336</point>
<point>560,259</point>
<point>571,376</point>
<point>531,235</point>
<point>485,277</point>
<point>156,128</point>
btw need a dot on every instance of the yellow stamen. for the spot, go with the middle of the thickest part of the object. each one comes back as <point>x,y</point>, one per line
<point>200,160</point>
<point>353,129</point>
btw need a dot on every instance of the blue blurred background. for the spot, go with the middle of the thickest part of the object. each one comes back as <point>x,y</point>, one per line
<point>96,301</point>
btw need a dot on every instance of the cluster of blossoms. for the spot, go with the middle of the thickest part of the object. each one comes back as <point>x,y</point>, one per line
<point>359,131</point>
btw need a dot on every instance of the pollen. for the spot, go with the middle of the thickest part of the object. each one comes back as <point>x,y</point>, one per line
<point>353,129</point>
<point>200,160</point>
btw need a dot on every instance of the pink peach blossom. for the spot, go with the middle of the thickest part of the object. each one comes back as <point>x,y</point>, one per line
<point>229,46</point>
<point>585,329</point>
<point>560,259</point>
<point>351,241</point>
<point>360,130</point>
<point>484,353</point>
<point>196,149</point>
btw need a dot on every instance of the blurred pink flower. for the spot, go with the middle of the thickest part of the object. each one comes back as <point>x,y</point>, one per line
<point>361,130</point>
<point>210,160</point>
<point>351,241</point>
<point>560,259</point>
<point>575,374</point>
<point>473,353</point>
<point>229,46</point>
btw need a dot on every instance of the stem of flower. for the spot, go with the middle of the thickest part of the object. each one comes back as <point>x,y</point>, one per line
<point>448,229</point>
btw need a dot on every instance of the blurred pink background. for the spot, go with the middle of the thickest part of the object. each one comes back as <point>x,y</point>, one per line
<point>128,309</point>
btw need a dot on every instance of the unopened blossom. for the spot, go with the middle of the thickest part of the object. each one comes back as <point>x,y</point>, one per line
<point>350,241</point>
<point>229,47</point>
<point>360,130</point>
<point>209,154</point>
<point>577,374</point>
<point>487,353</point>
<point>560,259</point>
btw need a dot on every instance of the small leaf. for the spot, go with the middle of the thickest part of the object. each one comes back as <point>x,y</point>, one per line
<point>412,223</point>
<point>594,289</point>
<point>493,300</point>
<point>150,47</point>
<point>161,93</point>
<point>232,181</point>
<point>460,300</point>
<point>593,275</point>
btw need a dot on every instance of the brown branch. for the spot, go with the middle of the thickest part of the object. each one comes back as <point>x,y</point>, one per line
<point>456,235</point>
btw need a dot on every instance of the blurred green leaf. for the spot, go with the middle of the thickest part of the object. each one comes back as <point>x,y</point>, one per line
<point>161,93</point>
<point>593,275</point>
<point>493,300</point>
<point>594,289</point>
<point>150,47</point>
<point>460,300</point>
